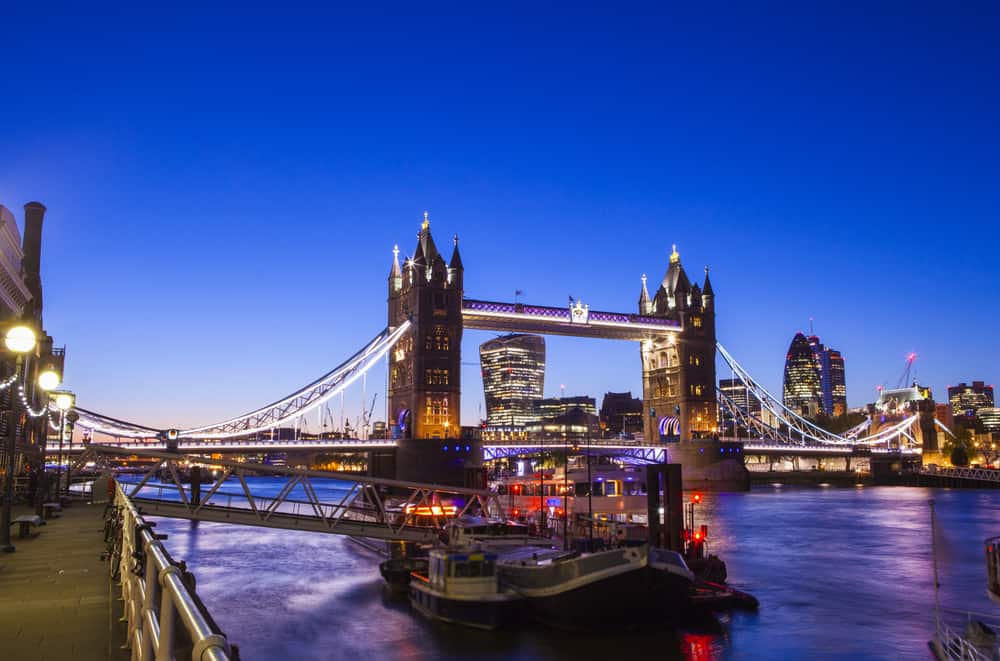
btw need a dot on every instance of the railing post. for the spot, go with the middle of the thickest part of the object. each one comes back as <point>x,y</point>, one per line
<point>149,606</point>
<point>168,617</point>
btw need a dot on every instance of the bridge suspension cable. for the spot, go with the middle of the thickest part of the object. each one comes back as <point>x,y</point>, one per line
<point>273,415</point>
<point>788,425</point>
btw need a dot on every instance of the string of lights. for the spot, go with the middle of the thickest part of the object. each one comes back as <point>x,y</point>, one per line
<point>27,407</point>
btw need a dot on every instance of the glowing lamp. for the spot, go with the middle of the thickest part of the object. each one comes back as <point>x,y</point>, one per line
<point>48,379</point>
<point>64,401</point>
<point>696,498</point>
<point>20,339</point>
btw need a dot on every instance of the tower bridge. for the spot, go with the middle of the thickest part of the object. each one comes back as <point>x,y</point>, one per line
<point>422,349</point>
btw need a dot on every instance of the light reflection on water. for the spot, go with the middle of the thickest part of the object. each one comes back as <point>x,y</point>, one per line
<point>840,573</point>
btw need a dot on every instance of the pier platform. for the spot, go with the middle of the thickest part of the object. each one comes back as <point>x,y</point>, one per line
<point>56,599</point>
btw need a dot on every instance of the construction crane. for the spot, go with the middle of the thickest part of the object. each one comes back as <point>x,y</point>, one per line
<point>904,378</point>
<point>366,418</point>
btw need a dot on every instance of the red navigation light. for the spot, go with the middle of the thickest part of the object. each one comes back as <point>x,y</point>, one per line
<point>696,498</point>
<point>697,536</point>
<point>517,513</point>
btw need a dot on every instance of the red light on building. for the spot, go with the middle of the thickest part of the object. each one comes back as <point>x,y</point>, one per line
<point>696,498</point>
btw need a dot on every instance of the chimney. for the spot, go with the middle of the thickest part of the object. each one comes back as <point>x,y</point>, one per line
<point>34,213</point>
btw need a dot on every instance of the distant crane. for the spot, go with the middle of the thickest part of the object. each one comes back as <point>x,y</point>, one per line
<point>366,418</point>
<point>904,378</point>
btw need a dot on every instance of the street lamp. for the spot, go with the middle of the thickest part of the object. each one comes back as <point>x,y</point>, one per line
<point>48,379</point>
<point>19,340</point>
<point>64,402</point>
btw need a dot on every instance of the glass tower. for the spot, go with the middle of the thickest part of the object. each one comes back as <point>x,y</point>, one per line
<point>802,390</point>
<point>832,381</point>
<point>513,369</point>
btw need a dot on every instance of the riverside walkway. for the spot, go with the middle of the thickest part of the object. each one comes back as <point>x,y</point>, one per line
<point>56,599</point>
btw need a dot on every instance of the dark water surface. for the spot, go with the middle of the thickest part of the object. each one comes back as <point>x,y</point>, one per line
<point>840,574</point>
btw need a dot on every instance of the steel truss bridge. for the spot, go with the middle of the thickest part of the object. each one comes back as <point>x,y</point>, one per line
<point>775,429</point>
<point>360,506</point>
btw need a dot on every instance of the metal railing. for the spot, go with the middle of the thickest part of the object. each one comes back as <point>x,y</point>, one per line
<point>157,599</point>
<point>362,506</point>
<point>982,474</point>
<point>953,647</point>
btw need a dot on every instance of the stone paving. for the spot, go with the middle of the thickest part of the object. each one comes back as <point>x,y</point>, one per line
<point>56,600</point>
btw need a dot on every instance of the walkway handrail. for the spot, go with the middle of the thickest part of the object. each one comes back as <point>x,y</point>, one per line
<point>156,597</point>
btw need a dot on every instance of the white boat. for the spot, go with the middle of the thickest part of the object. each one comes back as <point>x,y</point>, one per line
<point>461,587</point>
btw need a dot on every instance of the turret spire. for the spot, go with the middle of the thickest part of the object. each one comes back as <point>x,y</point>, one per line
<point>644,297</point>
<point>707,288</point>
<point>456,259</point>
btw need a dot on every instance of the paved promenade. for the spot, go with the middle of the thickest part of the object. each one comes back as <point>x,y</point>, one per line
<point>55,596</point>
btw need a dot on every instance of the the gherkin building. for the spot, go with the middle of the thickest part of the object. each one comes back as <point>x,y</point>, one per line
<point>802,391</point>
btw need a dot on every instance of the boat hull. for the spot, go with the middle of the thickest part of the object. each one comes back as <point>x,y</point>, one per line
<point>639,597</point>
<point>478,613</point>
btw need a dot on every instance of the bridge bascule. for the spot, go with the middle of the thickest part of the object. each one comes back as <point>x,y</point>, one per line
<point>421,351</point>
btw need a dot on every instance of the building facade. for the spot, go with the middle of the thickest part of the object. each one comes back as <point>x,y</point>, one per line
<point>14,294</point>
<point>553,407</point>
<point>967,400</point>
<point>678,371</point>
<point>832,378</point>
<point>513,368</point>
<point>801,389</point>
<point>621,413</point>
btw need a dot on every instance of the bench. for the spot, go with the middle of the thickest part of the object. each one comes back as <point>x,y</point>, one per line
<point>25,521</point>
<point>49,510</point>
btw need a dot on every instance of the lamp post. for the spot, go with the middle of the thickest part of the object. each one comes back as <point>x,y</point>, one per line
<point>19,340</point>
<point>64,402</point>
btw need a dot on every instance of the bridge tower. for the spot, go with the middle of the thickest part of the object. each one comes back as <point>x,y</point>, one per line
<point>678,371</point>
<point>425,366</point>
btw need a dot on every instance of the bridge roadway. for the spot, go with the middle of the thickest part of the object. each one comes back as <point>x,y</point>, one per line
<point>639,450</point>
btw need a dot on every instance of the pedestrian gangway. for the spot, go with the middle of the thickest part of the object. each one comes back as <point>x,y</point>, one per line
<point>309,500</point>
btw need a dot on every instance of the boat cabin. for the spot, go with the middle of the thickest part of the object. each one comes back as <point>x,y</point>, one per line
<point>462,572</point>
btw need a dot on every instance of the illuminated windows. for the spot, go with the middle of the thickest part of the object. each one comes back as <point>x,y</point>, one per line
<point>436,377</point>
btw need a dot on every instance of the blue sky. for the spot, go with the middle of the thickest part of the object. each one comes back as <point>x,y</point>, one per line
<point>225,185</point>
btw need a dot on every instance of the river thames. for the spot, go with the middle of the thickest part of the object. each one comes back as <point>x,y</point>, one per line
<point>840,573</point>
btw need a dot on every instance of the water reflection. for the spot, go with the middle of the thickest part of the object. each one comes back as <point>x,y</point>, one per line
<point>840,573</point>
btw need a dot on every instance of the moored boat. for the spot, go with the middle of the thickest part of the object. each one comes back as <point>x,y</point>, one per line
<point>613,588</point>
<point>461,587</point>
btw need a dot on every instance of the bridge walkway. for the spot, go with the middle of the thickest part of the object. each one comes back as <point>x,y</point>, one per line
<point>56,599</point>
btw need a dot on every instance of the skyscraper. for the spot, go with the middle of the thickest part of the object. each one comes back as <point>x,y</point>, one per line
<point>832,381</point>
<point>513,369</point>
<point>802,391</point>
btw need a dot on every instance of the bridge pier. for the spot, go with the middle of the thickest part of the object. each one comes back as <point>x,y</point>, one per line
<point>452,462</point>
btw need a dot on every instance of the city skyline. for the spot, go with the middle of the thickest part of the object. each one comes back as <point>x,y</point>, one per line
<point>222,221</point>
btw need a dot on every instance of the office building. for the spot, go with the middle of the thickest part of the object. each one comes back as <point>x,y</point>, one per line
<point>802,391</point>
<point>832,379</point>
<point>513,368</point>
<point>621,413</point>
<point>967,401</point>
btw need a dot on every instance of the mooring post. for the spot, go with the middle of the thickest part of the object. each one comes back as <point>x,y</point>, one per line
<point>653,503</point>
<point>673,507</point>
